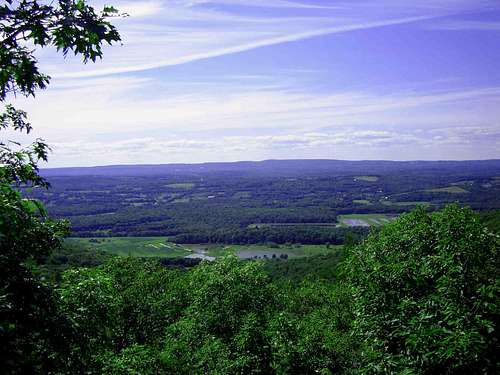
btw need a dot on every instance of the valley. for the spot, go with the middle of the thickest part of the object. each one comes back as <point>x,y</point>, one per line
<point>161,211</point>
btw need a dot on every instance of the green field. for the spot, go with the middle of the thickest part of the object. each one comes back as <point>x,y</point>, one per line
<point>465,182</point>
<point>266,225</point>
<point>160,247</point>
<point>404,204</point>
<point>366,178</point>
<point>364,220</point>
<point>361,201</point>
<point>242,194</point>
<point>134,246</point>
<point>182,185</point>
<point>450,189</point>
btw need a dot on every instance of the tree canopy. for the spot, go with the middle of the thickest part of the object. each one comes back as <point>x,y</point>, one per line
<point>426,295</point>
<point>34,334</point>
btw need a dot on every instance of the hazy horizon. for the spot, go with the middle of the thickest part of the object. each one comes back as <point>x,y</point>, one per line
<point>270,160</point>
<point>228,80</point>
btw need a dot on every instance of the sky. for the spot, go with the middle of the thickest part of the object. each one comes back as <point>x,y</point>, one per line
<point>228,80</point>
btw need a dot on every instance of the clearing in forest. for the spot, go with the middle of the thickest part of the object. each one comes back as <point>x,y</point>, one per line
<point>450,189</point>
<point>134,246</point>
<point>366,178</point>
<point>364,220</point>
<point>181,185</point>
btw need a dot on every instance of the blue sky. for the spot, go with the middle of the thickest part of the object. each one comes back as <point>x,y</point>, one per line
<point>226,80</point>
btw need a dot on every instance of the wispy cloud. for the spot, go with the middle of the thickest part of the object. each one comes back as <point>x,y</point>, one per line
<point>167,33</point>
<point>258,147</point>
<point>293,37</point>
<point>126,110</point>
<point>460,25</point>
<point>110,119</point>
<point>265,4</point>
<point>107,103</point>
<point>140,9</point>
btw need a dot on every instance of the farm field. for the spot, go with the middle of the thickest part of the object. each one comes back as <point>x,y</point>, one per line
<point>365,220</point>
<point>366,178</point>
<point>362,201</point>
<point>182,185</point>
<point>267,225</point>
<point>454,189</point>
<point>406,204</point>
<point>134,246</point>
<point>161,248</point>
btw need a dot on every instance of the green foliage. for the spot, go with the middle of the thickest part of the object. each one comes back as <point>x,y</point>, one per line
<point>89,296</point>
<point>134,316</point>
<point>120,309</point>
<point>309,329</point>
<point>69,256</point>
<point>492,220</point>
<point>31,330</point>
<point>25,232</point>
<point>133,360</point>
<point>152,297</point>
<point>67,25</point>
<point>316,267</point>
<point>426,295</point>
<point>20,165</point>
<point>35,334</point>
<point>419,296</point>
<point>222,326</point>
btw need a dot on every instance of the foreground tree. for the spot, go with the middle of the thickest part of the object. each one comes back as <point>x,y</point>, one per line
<point>68,25</point>
<point>426,295</point>
<point>31,330</point>
<point>33,335</point>
<point>25,25</point>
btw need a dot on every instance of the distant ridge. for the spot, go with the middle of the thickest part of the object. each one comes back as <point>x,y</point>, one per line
<point>279,168</point>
